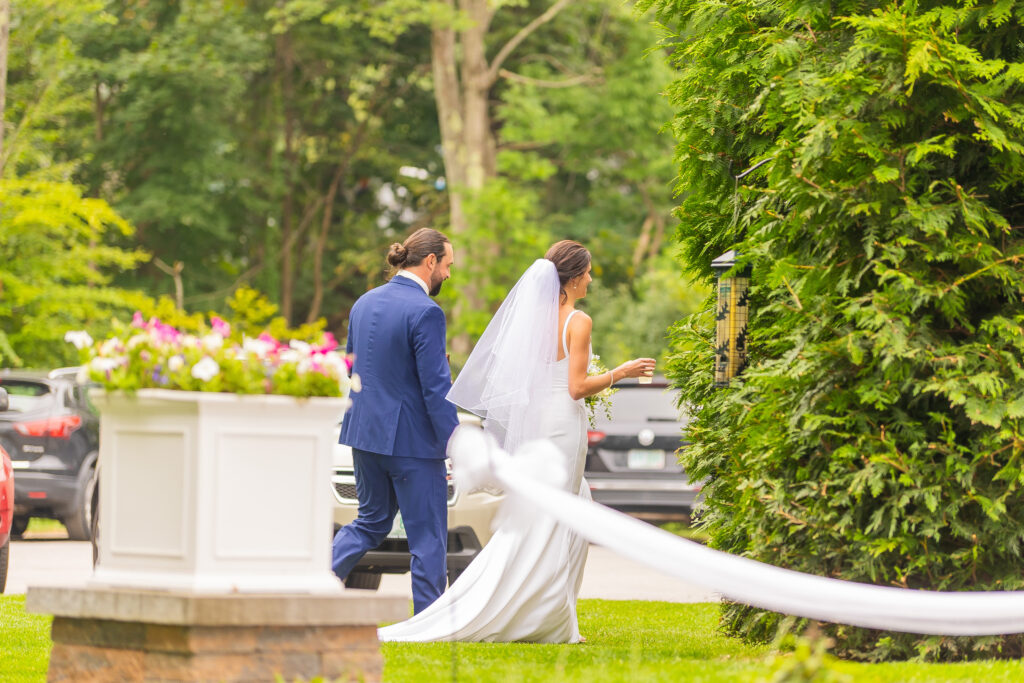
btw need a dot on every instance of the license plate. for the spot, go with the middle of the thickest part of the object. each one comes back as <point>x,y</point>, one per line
<point>638,459</point>
<point>398,528</point>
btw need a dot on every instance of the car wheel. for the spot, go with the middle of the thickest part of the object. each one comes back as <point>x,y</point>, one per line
<point>18,526</point>
<point>5,556</point>
<point>79,522</point>
<point>368,580</point>
<point>94,522</point>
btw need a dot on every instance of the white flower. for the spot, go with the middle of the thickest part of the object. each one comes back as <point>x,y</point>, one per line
<point>206,369</point>
<point>102,364</point>
<point>175,363</point>
<point>212,341</point>
<point>290,356</point>
<point>259,347</point>
<point>110,347</point>
<point>80,338</point>
<point>300,346</point>
<point>135,340</point>
<point>357,384</point>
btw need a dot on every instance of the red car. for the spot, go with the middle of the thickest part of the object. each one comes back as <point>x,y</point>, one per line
<point>6,503</point>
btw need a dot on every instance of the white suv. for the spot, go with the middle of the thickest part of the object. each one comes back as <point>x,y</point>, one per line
<point>469,523</point>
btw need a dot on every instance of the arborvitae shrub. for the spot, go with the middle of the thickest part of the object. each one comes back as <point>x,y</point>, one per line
<point>877,434</point>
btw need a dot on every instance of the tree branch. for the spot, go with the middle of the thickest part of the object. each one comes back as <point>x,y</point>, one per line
<point>523,34</point>
<point>542,83</point>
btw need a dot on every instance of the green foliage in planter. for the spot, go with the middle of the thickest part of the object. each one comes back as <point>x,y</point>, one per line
<point>877,435</point>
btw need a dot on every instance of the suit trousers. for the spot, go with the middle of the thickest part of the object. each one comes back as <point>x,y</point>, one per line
<point>418,487</point>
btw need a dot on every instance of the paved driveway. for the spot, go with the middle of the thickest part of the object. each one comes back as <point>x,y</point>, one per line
<point>608,576</point>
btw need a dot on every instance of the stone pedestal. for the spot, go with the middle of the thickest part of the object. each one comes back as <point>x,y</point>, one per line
<point>129,635</point>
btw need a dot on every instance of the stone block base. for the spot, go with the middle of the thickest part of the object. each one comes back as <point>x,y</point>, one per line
<point>103,635</point>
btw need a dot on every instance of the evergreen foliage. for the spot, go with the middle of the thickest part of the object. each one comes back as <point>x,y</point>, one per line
<point>877,435</point>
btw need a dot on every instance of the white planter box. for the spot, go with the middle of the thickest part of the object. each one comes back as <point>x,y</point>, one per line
<point>213,493</point>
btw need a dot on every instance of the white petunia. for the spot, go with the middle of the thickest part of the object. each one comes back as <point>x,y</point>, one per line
<point>259,347</point>
<point>136,339</point>
<point>206,369</point>
<point>300,346</point>
<point>80,338</point>
<point>212,341</point>
<point>175,363</point>
<point>102,364</point>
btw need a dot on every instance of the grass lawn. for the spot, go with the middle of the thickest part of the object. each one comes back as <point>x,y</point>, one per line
<point>626,641</point>
<point>24,642</point>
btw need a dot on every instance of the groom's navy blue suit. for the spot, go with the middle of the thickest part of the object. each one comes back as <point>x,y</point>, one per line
<point>398,428</point>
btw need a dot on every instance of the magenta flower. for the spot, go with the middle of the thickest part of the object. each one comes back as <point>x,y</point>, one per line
<point>138,321</point>
<point>329,344</point>
<point>220,326</point>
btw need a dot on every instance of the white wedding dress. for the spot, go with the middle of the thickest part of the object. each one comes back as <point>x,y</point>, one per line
<point>524,584</point>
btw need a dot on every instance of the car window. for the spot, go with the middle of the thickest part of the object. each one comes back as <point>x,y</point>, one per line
<point>630,404</point>
<point>24,396</point>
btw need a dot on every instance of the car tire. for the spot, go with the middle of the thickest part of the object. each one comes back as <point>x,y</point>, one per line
<point>94,521</point>
<point>79,522</point>
<point>18,525</point>
<point>367,580</point>
<point>5,557</point>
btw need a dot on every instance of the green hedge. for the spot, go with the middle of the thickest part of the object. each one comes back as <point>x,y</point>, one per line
<point>877,435</point>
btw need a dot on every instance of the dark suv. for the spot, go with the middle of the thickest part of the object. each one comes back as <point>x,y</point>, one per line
<point>52,435</point>
<point>631,458</point>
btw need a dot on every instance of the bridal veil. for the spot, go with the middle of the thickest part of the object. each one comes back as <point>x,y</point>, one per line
<point>511,365</point>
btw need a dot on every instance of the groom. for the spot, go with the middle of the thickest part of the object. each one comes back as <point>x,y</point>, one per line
<point>400,422</point>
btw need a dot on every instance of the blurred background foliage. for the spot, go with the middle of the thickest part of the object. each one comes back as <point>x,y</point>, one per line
<point>187,149</point>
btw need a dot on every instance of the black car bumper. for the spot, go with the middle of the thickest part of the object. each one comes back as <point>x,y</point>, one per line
<point>392,556</point>
<point>41,491</point>
<point>662,496</point>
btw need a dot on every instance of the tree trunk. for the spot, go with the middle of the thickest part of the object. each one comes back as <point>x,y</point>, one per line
<point>321,245</point>
<point>467,144</point>
<point>286,64</point>
<point>5,34</point>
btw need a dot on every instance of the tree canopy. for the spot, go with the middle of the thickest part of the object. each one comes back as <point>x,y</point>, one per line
<point>877,434</point>
<point>283,144</point>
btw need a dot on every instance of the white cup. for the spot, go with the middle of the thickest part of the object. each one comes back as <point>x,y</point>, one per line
<point>645,379</point>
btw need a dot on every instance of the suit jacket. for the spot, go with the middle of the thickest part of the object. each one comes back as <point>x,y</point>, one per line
<point>397,334</point>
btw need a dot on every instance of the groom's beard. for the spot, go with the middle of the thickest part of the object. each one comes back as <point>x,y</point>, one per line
<point>435,287</point>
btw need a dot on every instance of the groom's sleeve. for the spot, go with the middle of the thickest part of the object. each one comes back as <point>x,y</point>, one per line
<point>429,338</point>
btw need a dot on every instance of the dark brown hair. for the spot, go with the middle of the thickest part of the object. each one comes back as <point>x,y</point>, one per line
<point>417,246</point>
<point>571,259</point>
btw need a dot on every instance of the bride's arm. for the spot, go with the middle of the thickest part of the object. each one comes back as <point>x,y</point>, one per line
<point>582,385</point>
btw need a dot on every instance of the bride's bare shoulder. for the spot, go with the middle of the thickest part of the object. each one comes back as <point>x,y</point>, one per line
<point>580,322</point>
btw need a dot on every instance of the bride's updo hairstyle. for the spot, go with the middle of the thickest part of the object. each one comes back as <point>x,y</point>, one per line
<point>417,247</point>
<point>571,260</point>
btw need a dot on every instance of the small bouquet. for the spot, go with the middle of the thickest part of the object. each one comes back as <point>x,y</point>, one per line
<point>153,355</point>
<point>602,399</point>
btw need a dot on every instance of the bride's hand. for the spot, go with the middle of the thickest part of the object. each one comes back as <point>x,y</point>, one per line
<point>635,368</point>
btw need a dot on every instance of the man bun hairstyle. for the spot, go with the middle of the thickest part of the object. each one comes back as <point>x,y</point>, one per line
<point>571,260</point>
<point>417,247</point>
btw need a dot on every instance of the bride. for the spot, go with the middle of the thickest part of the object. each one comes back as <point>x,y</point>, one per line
<point>527,377</point>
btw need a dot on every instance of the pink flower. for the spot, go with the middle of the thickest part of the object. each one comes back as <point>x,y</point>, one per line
<point>137,320</point>
<point>328,344</point>
<point>220,326</point>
